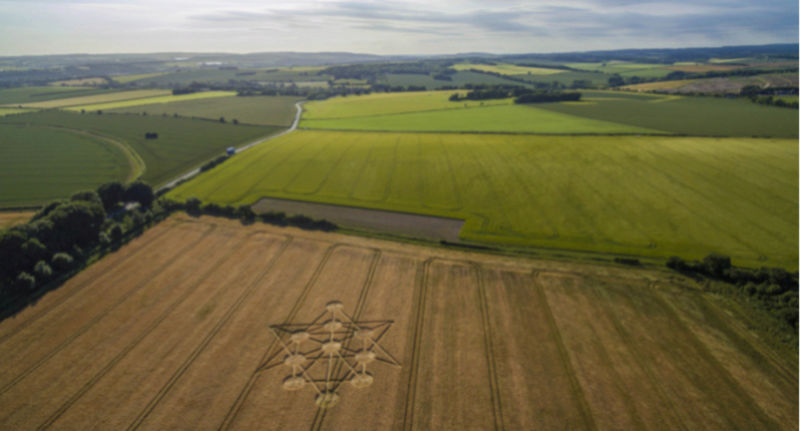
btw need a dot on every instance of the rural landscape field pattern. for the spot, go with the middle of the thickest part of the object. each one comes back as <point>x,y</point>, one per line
<point>484,342</point>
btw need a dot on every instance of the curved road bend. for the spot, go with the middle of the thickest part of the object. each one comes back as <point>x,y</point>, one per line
<point>193,172</point>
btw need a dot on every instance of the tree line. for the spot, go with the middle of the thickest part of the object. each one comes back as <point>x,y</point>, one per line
<point>520,94</point>
<point>64,234</point>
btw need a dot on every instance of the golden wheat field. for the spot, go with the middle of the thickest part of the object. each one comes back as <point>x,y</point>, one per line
<point>202,323</point>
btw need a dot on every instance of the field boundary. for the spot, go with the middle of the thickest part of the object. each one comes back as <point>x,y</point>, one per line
<point>153,325</point>
<point>421,283</point>
<point>575,386</point>
<point>142,416</point>
<point>497,407</point>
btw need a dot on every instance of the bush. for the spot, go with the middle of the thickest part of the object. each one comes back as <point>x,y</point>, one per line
<point>42,270</point>
<point>115,233</point>
<point>62,261</point>
<point>25,282</point>
<point>139,192</point>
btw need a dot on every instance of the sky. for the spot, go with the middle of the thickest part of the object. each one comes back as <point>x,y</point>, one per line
<point>36,27</point>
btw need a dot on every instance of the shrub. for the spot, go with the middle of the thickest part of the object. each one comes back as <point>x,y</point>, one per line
<point>42,270</point>
<point>62,261</point>
<point>25,282</point>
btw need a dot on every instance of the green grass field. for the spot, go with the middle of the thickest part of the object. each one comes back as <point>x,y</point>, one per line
<point>125,79</point>
<point>261,110</point>
<point>157,98</point>
<point>648,196</point>
<point>598,112</point>
<point>182,143</point>
<point>458,79</point>
<point>388,103</point>
<point>507,69</point>
<point>26,95</point>
<point>186,77</point>
<point>505,118</point>
<point>97,99</point>
<point>11,111</point>
<point>40,164</point>
<point>700,116</point>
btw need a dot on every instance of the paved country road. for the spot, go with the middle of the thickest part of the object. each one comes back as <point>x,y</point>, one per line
<point>193,172</point>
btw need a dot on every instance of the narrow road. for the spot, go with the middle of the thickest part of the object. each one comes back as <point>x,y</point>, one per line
<point>193,172</point>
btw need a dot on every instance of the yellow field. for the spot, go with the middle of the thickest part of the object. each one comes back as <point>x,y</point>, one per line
<point>85,82</point>
<point>185,328</point>
<point>98,98</point>
<point>152,100</point>
<point>13,218</point>
<point>507,69</point>
<point>661,85</point>
<point>124,79</point>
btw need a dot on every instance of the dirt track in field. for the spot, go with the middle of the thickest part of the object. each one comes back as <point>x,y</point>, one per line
<point>172,332</point>
<point>413,225</point>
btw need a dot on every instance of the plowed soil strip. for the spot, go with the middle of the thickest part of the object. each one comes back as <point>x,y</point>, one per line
<point>137,376</point>
<point>214,379</point>
<point>268,405</point>
<point>453,388</point>
<point>534,386</point>
<point>35,344</point>
<point>390,298</point>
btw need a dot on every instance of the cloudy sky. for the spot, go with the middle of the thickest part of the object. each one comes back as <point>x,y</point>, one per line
<point>387,27</point>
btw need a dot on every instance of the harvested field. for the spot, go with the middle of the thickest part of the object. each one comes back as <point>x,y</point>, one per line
<point>413,225</point>
<point>173,332</point>
<point>11,218</point>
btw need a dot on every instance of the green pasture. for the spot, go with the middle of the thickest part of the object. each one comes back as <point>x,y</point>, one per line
<point>95,99</point>
<point>567,78</point>
<point>155,99</point>
<point>458,79</point>
<point>507,69</point>
<point>505,118</point>
<point>182,143</point>
<point>389,103</point>
<point>27,95</point>
<point>261,110</point>
<point>11,111</point>
<point>647,196</point>
<point>125,79</point>
<point>39,164</point>
<point>699,116</point>
<point>186,77</point>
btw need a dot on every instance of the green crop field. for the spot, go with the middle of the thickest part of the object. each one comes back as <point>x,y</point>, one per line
<point>150,100</point>
<point>97,99</point>
<point>39,164</point>
<point>701,116</point>
<point>262,110</point>
<point>599,112</point>
<point>648,196</point>
<point>124,79</point>
<point>186,77</point>
<point>389,103</point>
<point>10,111</point>
<point>182,143</point>
<point>504,118</point>
<point>458,79</point>
<point>26,95</point>
<point>507,69</point>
